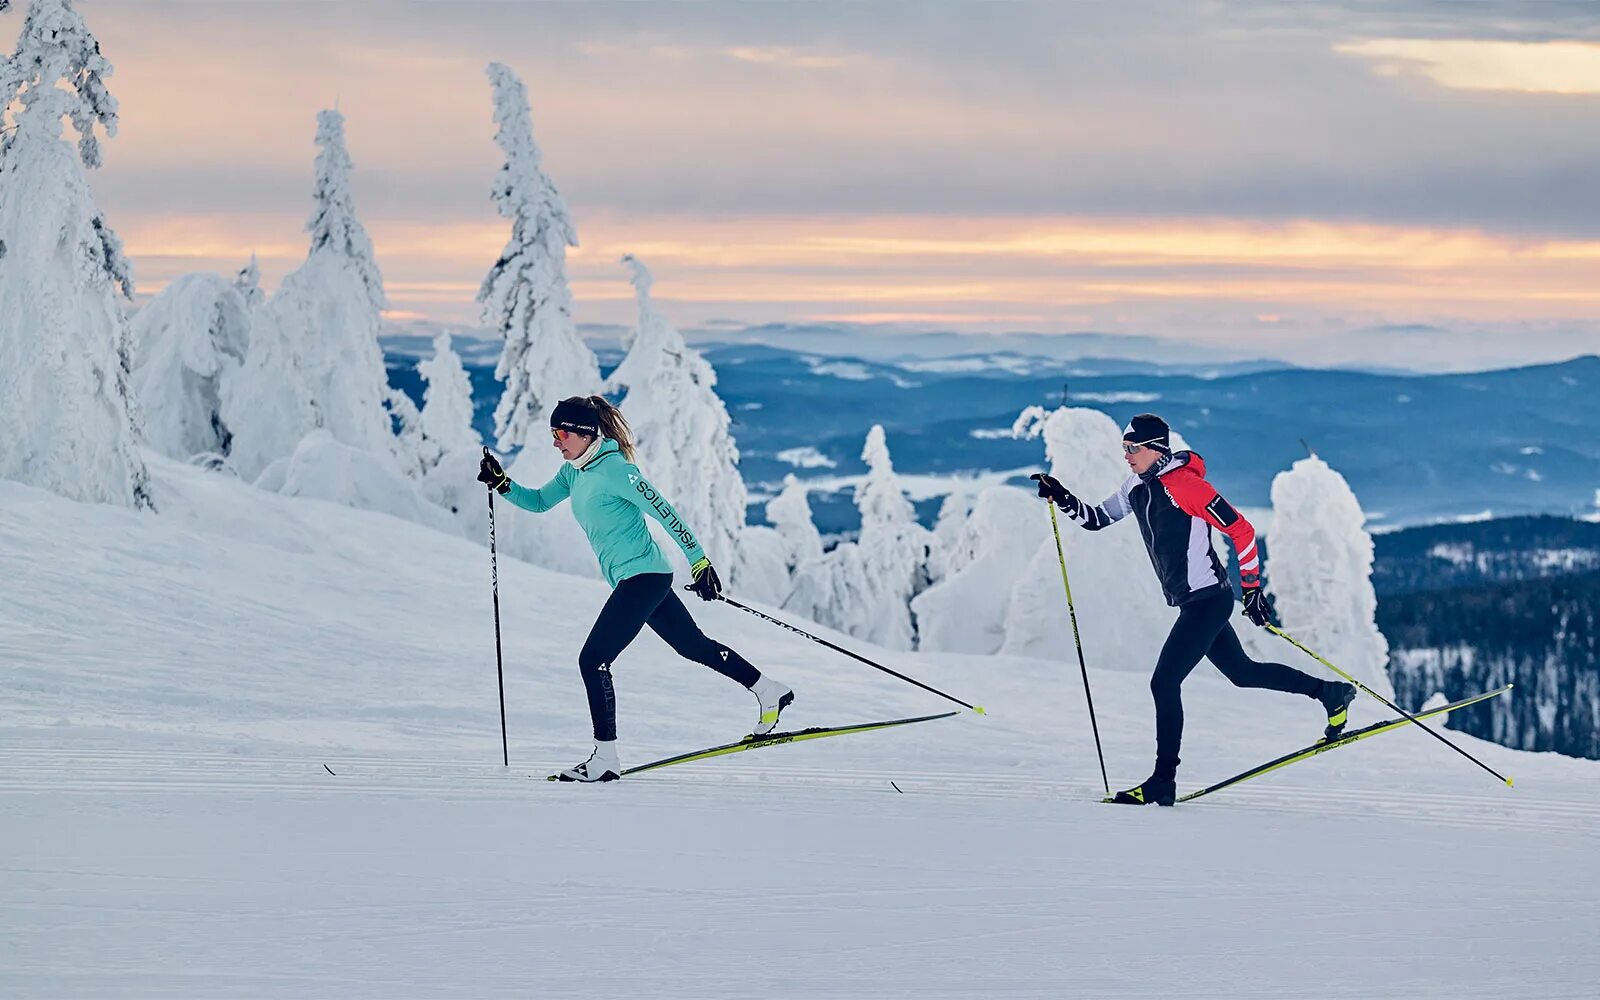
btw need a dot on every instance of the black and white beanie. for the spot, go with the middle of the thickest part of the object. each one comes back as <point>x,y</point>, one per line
<point>1148,430</point>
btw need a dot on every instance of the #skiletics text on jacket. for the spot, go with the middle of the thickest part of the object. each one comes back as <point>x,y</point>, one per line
<point>610,498</point>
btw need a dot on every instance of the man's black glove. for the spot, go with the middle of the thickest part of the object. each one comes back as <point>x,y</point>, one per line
<point>706,582</point>
<point>491,475</point>
<point>1256,607</point>
<point>1051,489</point>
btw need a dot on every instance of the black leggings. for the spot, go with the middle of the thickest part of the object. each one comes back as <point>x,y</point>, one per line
<point>638,601</point>
<point>1203,630</point>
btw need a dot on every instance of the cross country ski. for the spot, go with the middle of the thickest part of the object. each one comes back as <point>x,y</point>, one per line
<point>1323,746</point>
<point>769,740</point>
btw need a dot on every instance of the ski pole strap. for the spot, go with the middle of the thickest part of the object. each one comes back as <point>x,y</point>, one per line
<point>1373,694</point>
<point>853,655</point>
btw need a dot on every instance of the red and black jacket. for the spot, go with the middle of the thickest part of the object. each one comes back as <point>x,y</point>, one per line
<point>1176,509</point>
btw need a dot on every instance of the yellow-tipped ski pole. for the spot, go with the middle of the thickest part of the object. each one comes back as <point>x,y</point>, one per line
<point>1371,693</point>
<point>1077,640</point>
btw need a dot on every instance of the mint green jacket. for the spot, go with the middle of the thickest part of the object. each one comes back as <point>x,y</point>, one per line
<point>610,498</point>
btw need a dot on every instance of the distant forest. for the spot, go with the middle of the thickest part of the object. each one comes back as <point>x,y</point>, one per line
<point>1466,607</point>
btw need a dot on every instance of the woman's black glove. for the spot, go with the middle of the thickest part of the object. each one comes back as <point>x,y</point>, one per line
<point>491,475</point>
<point>706,582</point>
<point>1256,607</point>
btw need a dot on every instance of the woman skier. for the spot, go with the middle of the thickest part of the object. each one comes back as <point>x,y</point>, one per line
<point>610,498</point>
<point>1176,509</point>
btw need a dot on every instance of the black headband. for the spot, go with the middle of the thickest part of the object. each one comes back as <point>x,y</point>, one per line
<point>577,415</point>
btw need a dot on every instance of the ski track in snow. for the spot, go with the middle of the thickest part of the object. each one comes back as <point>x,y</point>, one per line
<point>177,687</point>
<point>68,771</point>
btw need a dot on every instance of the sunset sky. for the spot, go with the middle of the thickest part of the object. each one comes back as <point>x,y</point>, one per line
<point>1324,182</point>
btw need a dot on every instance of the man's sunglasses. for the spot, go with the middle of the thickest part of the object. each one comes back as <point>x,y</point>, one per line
<point>1131,449</point>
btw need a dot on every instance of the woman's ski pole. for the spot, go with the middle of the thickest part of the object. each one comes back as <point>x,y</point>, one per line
<point>499,665</point>
<point>854,656</point>
<point>1280,632</point>
<point>1077,640</point>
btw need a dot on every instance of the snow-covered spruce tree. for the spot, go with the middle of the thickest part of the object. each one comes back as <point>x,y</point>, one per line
<point>1319,574</point>
<point>653,342</point>
<point>761,569</point>
<point>811,570</point>
<point>446,417</point>
<point>66,401</point>
<point>873,580</point>
<point>341,294</point>
<point>949,549</point>
<point>525,297</point>
<point>267,404</point>
<point>447,446</point>
<point>187,341</point>
<point>681,426</point>
<point>984,559</point>
<point>790,514</point>
<point>325,369</point>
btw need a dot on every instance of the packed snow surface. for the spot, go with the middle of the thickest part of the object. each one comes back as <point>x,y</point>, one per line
<point>251,748</point>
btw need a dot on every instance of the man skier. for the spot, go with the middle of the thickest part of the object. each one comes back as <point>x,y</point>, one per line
<point>1176,509</point>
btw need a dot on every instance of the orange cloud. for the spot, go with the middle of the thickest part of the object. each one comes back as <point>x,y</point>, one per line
<point>1059,272</point>
<point>1550,67</point>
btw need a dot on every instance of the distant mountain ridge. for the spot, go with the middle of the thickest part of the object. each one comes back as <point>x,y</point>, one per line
<point>1415,448</point>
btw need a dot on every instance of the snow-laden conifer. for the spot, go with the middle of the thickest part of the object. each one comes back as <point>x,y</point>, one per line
<point>525,298</point>
<point>187,342</point>
<point>66,400</point>
<point>1319,573</point>
<point>681,428</point>
<point>319,363</point>
<point>869,583</point>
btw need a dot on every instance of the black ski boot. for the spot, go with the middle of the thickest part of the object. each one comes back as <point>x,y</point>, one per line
<point>1160,788</point>
<point>1336,697</point>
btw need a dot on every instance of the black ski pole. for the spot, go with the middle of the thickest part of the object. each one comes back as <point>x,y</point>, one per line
<point>499,662</point>
<point>854,656</point>
<point>1280,632</point>
<point>1077,640</point>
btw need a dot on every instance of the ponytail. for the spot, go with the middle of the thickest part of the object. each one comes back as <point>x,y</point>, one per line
<point>614,425</point>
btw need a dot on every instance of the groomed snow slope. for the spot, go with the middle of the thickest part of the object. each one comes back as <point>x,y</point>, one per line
<point>249,747</point>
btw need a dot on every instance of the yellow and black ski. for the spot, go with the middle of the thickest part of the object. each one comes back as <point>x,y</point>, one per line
<point>1323,746</point>
<point>776,739</point>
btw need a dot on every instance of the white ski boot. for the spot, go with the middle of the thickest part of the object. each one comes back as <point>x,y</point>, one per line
<point>602,765</point>
<point>774,698</point>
